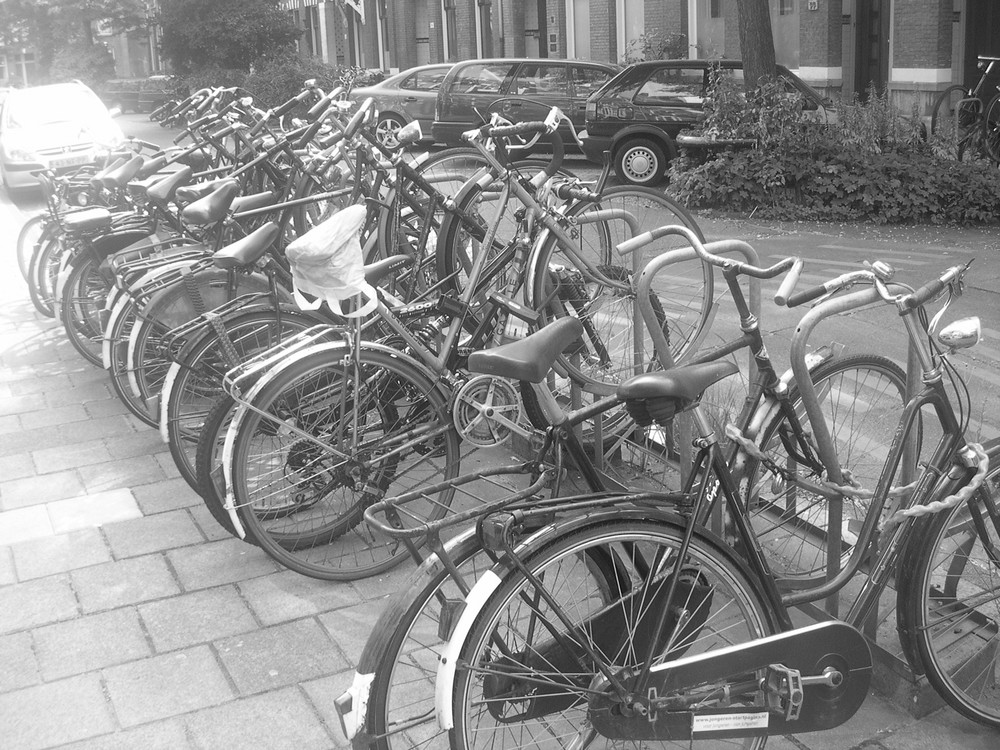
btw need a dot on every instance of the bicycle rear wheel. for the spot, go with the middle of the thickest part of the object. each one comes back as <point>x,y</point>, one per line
<point>524,678</point>
<point>83,295</point>
<point>948,600</point>
<point>328,435</point>
<point>862,398</point>
<point>991,129</point>
<point>27,238</point>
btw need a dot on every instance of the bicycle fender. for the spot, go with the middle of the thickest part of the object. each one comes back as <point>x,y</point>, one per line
<point>444,686</point>
<point>168,386</point>
<point>117,310</point>
<point>352,705</point>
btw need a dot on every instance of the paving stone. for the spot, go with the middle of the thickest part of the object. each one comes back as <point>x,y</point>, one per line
<point>106,407</point>
<point>350,627</point>
<point>151,534</point>
<point>168,465</point>
<point>10,423</point>
<point>41,384</point>
<point>279,656</point>
<point>125,582</point>
<point>91,642</point>
<point>34,603</point>
<point>125,472</point>
<point>279,720</point>
<point>18,404</point>
<point>323,692</point>
<point>82,394</point>
<point>54,415</point>
<point>215,563</point>
<point>18,466</point>
<point>54,713</point>
<point>39,489</point>
<point>20,667</point>
<point>59,553</point>
<point>941,729</point>
<point>199,617</point>
<point>32,439</point>
<point>167,685</point>
<point>24,523</point>
<point>286,595</point>
<point>7,572</point>
<point>169,494</point>
<point>161,735</point>
<point>71,456</point>
<point>876,718</point>
<point>95,509</point>
<point>211,528</point>
<point>144,443</point>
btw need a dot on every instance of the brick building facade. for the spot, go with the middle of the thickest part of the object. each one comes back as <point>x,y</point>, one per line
<point>914,48</point>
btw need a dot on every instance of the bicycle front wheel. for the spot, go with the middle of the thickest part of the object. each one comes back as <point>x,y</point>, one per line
<point>27,238</point>
<point>949,599</point>
<point>862,399</point>
<point>525,679</point>
<point>991,129</point>
<point>329,435</point>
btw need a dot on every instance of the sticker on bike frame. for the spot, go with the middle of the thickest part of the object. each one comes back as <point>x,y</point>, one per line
<point>741,724</point>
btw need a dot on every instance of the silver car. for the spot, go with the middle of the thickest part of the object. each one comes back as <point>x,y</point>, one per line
<point>403,98</point>
<point>62,126</point>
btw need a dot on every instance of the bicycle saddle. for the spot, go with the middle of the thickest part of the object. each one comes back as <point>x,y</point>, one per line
<point>375,272</point>
<point>247,250</point>
<point>191,193</point>
<point>120,177</point>
<point>163,191</point>
<point>530,358</point>
<point>212,207</point>
<point>250,202</point>
<point>657,396</point>
<point>88,220</point>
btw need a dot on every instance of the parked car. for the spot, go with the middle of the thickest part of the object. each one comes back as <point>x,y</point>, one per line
<point>403,98</point>
<point>139,94</point>
<point>61,126</point>
<point>639,112</point>
<point>520,89</point>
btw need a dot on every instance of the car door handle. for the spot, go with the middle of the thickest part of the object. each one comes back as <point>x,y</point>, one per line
<point>410,99</point>
<point>513,105</point>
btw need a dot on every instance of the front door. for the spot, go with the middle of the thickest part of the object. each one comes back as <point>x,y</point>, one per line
<point>872,66</point>
<point>982,37</point>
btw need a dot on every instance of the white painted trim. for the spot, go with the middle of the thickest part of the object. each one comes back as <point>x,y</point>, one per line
<point>478,23</point>
<point>693,29</point>
<point>570,30</point>
<point>620,27</point>
<point>324,44</point>
<point>444,32</point>
<point>920,75</point>
<point>820,74</point>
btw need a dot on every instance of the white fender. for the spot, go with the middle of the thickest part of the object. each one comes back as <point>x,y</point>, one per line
<point>107,343</point>
<point>444,687</point>
<point>133,343</point>
<point>168,385</point>
<point>352,706</point>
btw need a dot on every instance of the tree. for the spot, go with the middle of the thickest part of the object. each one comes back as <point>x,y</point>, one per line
<point>756,41</point>
<point>50,26</point>
<point>199,34</point>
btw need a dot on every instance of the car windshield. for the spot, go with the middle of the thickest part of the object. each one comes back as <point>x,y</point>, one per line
<point>32,108</point>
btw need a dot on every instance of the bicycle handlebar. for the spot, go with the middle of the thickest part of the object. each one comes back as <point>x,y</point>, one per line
<point>932,289</point>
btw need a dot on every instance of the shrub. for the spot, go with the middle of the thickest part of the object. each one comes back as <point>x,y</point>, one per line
<point>653,45</point>
<point>278,79</point>
<point>93,64</point>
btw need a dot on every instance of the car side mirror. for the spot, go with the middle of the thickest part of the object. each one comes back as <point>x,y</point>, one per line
<point>409,134</point>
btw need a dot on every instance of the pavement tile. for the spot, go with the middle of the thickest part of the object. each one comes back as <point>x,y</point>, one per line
<point>41,384</point>
<point>125,582</point>
<point>7,572</point>
<point>54,713</point>
<point>43,488</point>
<point>91,642</point>
<point>71,456</point>
<point>106,407</point>
<point>220,562</point>
<point>87,374</point>
<point>17,466</point>
<point>95,509</point>
<point>322,693</point>
<point>168,494</point>
<point>876,717</point>
<point>350,627</point>
<point>281,720</point>
<point>206,522</point>
<point>278,656</point>
<point>54,416</point>
<point>24,523</point>
<point>165,686</point>
<point>286,595</point>
<point>943,728</point>
<point>59,553</point>
<point>32,439</point>
<point>35,603</point>
<point>199,617</point>
<point>20,667</point>
<point>161,735</point>
<point>17,404</point>
<point>125,472</point>
<point>168,465</point>
<point>81,394</point>
<point>141,536</point>
<point>127,444</point>
<point>10,423</point>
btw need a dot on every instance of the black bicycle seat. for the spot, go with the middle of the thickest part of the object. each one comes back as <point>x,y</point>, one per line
<point>247,250</point>
<point>531,358</point>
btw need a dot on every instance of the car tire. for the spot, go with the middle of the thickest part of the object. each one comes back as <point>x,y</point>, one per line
<point>386,127</point>
<point>640,161</point>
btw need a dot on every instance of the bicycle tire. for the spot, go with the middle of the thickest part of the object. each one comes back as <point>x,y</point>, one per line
<point>194,380</point>
<point>83,295</point>
<point>208,464</point>
<point>948,605</point>
<point>792,530</point>
<point>31,232</point>
<point>117,330</point>
<point>43,271</point>
<point>510,689</point>
<point>617,344</point>
<point>945,105</point>
<point>319,530</point>
<point>991,129</point>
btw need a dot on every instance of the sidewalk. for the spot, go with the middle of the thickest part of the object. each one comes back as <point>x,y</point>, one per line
<point>128,619</point>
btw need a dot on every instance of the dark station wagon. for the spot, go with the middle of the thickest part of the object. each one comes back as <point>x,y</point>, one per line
<point>519,89</point>
<point>639,112</point>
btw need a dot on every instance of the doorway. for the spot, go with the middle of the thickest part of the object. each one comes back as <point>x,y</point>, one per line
<point>982,37</point>
<point>872,60</point>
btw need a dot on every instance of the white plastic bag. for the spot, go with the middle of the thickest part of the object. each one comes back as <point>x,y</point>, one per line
<point>327,262</point>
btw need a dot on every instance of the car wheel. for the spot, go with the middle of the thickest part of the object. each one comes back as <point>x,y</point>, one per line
<point>640,161</point>
<point>386,128</point>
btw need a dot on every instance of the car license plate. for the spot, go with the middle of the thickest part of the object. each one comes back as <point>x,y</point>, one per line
<point>68,161</point>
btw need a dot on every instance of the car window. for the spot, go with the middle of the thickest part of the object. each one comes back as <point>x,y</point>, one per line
<point>541,78</point>
<point>33,108</point>
<point>424,80</point>
<point>673,86</point>
<point>482,78</point>
<point>588,80</point>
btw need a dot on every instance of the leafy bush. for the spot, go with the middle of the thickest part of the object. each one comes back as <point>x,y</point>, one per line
<point>653,45</point>
<point>278,79</point>
<point>90,63</point>
<point>873,165</point>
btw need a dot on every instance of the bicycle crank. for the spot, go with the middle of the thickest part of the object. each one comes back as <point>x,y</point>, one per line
<point>486,410</point>
<point>804,680</point>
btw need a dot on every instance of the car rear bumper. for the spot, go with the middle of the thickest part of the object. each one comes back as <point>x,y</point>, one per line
<point>594,146</point>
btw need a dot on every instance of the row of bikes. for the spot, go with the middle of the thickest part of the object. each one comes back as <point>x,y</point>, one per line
<point>344,344</point>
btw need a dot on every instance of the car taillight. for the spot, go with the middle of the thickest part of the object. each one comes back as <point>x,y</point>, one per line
<point>591,110</point>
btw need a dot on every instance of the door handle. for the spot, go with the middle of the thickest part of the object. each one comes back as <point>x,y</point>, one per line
<point>410,99</point>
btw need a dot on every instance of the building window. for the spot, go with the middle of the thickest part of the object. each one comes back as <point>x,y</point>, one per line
<point>786,7</point>
<point>715,8</point>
